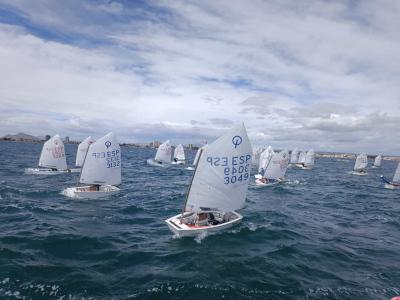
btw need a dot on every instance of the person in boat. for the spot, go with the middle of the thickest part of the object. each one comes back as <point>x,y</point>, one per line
<point>175,159</point>
<point>94,188</point>
<point>262,171</point>
<point>54,169</point>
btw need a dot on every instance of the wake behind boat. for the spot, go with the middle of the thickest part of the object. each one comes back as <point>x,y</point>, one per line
<point>163,156</point>
<point>395,183</point>
<point>101,170</point>
<point>52,159</point>
<point>218,187</point>
<point>360,166</point>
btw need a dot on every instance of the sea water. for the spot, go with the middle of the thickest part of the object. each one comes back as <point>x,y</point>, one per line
<point>324,234</point>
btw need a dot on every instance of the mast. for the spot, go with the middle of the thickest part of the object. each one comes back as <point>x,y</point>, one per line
<point>190,185</point>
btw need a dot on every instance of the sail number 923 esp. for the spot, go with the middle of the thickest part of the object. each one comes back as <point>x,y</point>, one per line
<point>236,169</point>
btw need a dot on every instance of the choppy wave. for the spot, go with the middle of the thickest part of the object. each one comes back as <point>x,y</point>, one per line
<point>322,234</point>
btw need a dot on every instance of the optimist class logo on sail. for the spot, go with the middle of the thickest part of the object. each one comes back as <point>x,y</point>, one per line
<point>112,158</point>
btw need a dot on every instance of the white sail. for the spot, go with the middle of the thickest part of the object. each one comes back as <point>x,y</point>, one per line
<point>103,162</point>
<point>164,152</point>
<point>179,153</point>
<point>53,154</point>
<point>222,174</point>
<point>82,149</point>
<point>256,156</point>
<point>265,158</point>
<point>396,177</point>
<point>196,158</point>
<point>302,157</point>
<point>361,162</point>
<point>378,161</point>
<point>278,165</point>
<point>294,156</point>
<point>310,158</point>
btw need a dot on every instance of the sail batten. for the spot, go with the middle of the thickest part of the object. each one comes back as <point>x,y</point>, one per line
<point>103,162</point>
<point>53,154</point>
<point>222,174</point>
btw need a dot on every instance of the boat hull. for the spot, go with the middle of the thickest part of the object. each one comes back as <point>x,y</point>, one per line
<point>179,162</point>
<point>182,230</point>
<point>358,173</point>
<point>259,183</point>
<point>154,163</point>
<point>83,192</point>
<point>40,171</point>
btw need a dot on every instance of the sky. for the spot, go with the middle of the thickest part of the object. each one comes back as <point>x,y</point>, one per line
<point>305,74</point>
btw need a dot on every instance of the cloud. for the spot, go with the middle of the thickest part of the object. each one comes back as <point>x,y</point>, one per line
<point>317,73</point>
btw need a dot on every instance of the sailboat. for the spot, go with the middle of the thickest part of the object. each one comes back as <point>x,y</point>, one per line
<point>163,155</point>
<point>275,170</point>
<point>218,187</point>
<point>377,161</point>
<point>196,158</point>
<point>302,159</point>
<point>265,158</point>
<point>309,160</point>
<point>360,167</point>
<point>294,156</point>
<point>101,170</point>
<point>179,155</point>
<point>81,153</point>
<point>395,183</point>
<point>52,158</point>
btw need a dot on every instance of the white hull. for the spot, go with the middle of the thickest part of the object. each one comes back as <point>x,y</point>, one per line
<point>390,186</point>
<point>190,168</point>
<point>43,171</point>
<point>259,183</point>
<point>179,162</point>
<point>76,170</point>
<point>182,230</point>
<point>358,173</point>
<point>154,163</point>
<point>84,192</point>
<point>306,168</point>
<point>375,167</point>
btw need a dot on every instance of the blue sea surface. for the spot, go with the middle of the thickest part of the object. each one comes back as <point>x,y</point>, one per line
<point>324,234</point>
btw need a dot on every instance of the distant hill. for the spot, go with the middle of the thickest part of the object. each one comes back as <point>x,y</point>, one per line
<point>21,137</point>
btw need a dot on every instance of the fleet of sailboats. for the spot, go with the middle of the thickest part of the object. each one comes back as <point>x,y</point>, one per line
<point>219,183</point>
